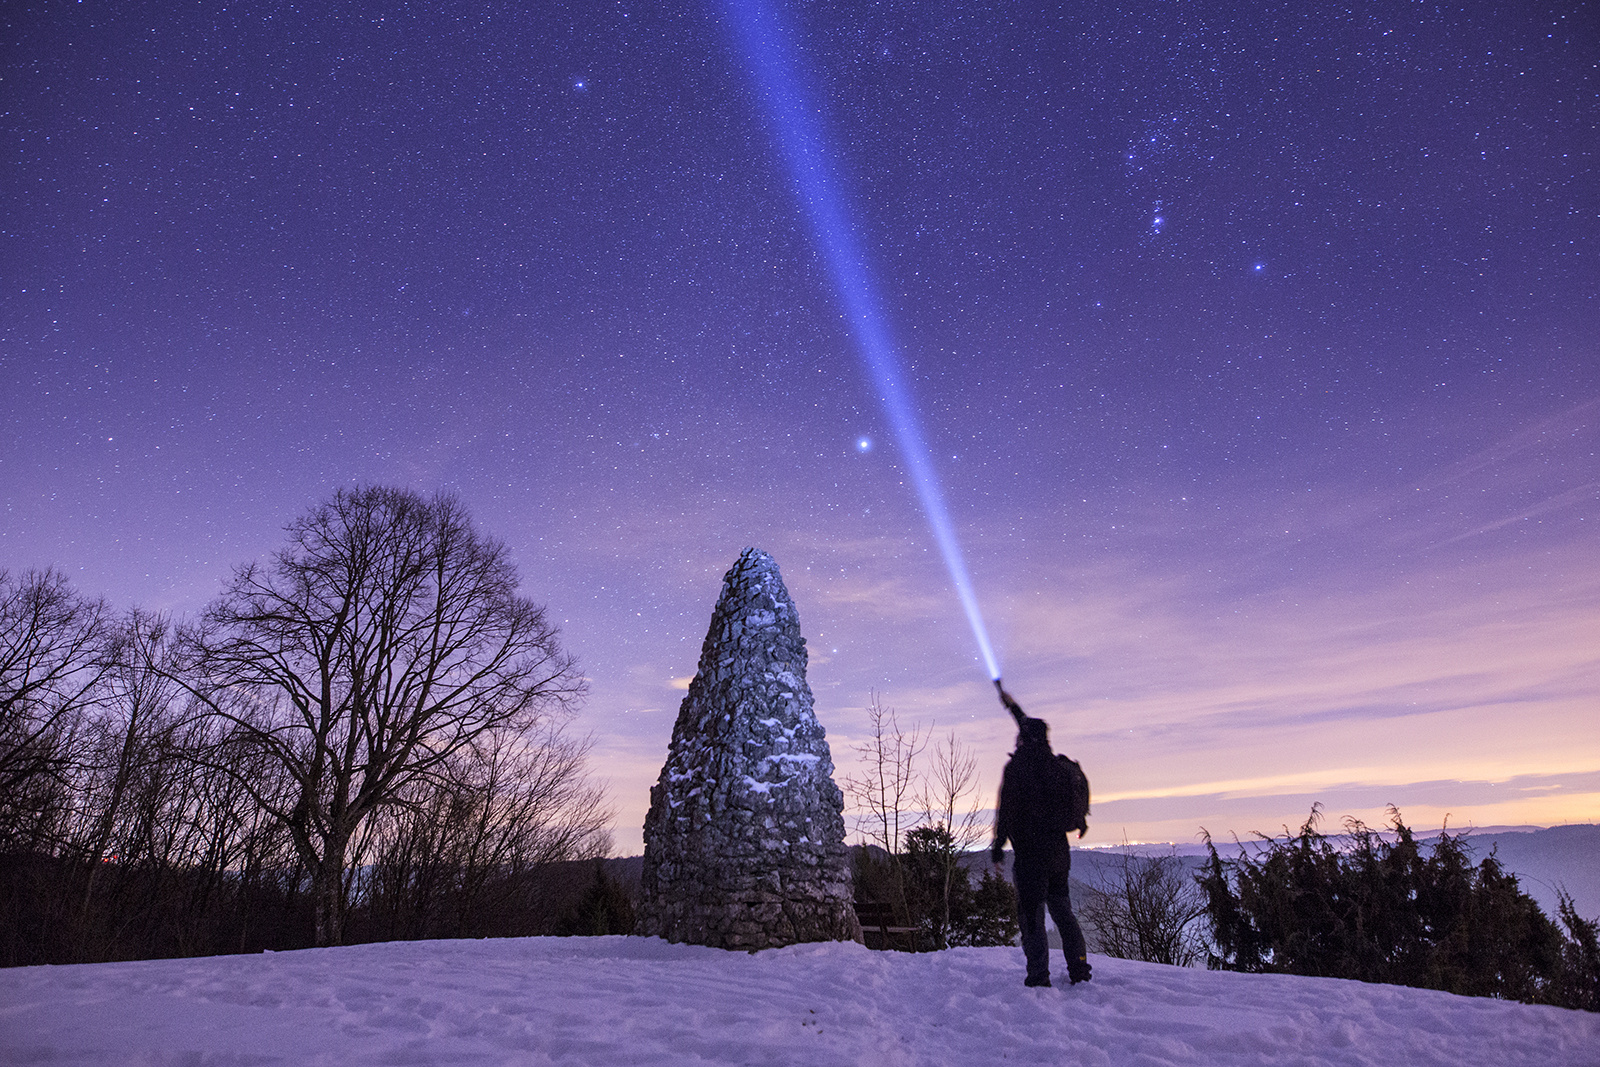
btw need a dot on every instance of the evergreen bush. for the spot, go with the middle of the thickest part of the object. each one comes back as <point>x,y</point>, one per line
<point>1380,910</point>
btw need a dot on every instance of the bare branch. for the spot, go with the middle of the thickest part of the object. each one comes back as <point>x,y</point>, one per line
<point>887,786</point>
<point>382,643</point>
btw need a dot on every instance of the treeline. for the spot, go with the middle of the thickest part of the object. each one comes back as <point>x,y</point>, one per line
<point>363,739</point>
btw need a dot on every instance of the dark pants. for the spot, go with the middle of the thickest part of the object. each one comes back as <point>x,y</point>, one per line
<point>1041,881</point>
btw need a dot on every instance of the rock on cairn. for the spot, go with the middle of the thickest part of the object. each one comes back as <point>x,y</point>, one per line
<point>744,843</point>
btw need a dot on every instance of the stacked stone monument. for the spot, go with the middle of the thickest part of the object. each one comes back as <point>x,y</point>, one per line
<point>744,843</point>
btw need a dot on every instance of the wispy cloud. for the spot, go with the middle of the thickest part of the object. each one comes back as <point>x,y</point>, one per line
<point>1583,494</point>
<point>1574,423</point>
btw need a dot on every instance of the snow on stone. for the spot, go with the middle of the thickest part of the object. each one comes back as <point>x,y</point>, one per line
<point>630,1000</point>
<point>759,860</point>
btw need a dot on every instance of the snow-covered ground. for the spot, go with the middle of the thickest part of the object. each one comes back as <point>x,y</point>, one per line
<point>626,1000</point>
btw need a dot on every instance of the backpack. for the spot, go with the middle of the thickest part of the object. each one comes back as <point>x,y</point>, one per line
<point>1067,792</point>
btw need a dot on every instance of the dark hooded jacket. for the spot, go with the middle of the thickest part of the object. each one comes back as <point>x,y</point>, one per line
<point>1027,817</point>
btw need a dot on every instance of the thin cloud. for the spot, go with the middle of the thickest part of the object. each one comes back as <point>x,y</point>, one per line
<point>1570,498</point>
<point>1572,422</point>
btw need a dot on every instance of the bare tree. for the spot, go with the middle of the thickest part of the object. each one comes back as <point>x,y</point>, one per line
<point>950,797</point>
<point>951,793</point>
<point>383,641</point>
<point>887,786</point>
<point>1148,909</point>
<point>140,697</point>
<point>454,858</point>
<point>54,651</point>
<point>136,711</point>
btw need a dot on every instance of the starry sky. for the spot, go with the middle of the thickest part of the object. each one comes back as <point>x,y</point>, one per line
<point>1257,348</point>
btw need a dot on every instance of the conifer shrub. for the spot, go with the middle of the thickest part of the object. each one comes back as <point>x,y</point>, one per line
<point>1578,981</point>
<point>605,907</point>
<point>991,918</point>
<point>928,889</point>
<point>1384,909</point>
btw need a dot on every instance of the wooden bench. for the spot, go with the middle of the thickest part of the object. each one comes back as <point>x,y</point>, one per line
<point>877,920</point>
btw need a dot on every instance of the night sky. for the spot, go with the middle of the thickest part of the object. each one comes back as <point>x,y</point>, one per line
<point>1257,347</point>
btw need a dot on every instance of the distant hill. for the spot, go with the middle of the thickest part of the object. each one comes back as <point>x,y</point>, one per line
<point>1544,860</point>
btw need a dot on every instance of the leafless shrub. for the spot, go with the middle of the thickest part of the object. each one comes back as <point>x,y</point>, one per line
<point>1147,908</point>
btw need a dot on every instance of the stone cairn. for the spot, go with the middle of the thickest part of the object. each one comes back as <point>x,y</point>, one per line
<point>744,843</point>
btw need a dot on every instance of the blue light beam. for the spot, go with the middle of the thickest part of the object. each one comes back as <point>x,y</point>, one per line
<point>793,118</point>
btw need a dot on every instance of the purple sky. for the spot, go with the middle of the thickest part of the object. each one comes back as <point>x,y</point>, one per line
<point>1256,347</point>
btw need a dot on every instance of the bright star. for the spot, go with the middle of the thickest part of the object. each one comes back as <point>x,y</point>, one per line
<point>864,444</point>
